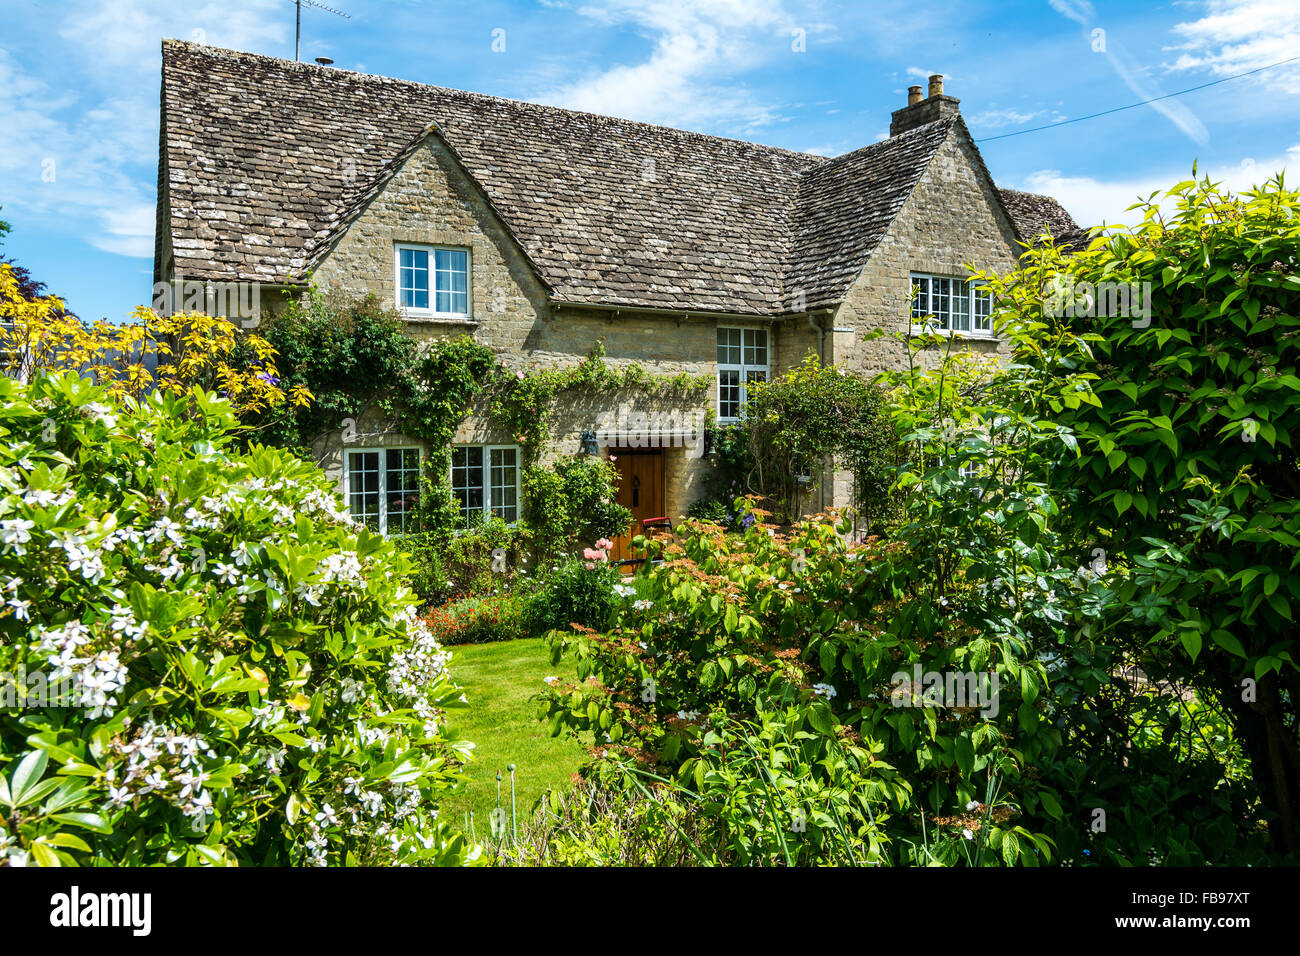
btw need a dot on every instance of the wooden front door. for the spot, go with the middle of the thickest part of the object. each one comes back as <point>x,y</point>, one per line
<point>640,491</point>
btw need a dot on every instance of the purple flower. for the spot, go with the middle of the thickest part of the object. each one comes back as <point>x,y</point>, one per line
<point>269,378</point>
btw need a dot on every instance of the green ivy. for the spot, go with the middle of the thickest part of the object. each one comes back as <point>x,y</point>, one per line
<point>354,354</point>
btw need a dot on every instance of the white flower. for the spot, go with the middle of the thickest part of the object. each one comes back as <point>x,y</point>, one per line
<point>972,805</point>
<point>643,605</point>
<point>550,680</point>
<point>350,690</point>
<point>327,816</point>
<point>226,573</point>
<point>40,497</point>
<point>624,590</point>
<point>968,834</point>
<point>102,413</point>
<point>16,532</point>
<point>20,609</point>
<point>824,690</point>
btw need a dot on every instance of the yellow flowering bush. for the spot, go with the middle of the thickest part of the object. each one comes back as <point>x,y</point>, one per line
<point>170,353</point>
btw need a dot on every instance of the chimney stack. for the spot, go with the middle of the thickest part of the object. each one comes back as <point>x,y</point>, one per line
<point>937,106</point>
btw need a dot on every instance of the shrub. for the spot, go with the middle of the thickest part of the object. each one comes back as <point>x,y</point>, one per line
<point>579,591</point>
<point>173,353</point>
<point>711,509</point>
<point>1182,465</point>
<point>245,678</point>
<point>572,503</point>
<point>772,678</point>
<point>794,425</point>
<point>478,620</point>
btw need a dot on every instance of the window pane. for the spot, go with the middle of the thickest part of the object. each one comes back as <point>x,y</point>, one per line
<point>728,346</point>
<point>983,309</point>
<point>413,278</point>
<point>452,278</point>
<point>467,481</point>
<point>756,347</point>
<point>363,487</point>
<point>961,306</point>
<point>503,467</point>
<point>939,302</point>
<point>920,297</point>
<point>728,393</point>
<point>401,487</point>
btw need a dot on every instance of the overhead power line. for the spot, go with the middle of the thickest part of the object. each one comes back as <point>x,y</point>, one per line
<point>1133,106</point>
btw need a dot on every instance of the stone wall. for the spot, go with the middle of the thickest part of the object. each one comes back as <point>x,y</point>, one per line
<point>951,219</point>
<point>950,222</point>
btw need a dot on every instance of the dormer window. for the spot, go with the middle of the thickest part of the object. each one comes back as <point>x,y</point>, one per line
<point>433,281</point>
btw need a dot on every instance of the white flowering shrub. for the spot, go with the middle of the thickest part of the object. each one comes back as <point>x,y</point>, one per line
<point>202,660</point>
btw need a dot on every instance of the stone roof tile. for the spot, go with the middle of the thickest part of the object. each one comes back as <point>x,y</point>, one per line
<point>265,162</point>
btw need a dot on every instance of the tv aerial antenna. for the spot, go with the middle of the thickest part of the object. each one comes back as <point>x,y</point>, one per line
<point>297,23</point>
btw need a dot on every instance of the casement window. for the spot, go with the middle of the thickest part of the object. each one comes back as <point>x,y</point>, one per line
<point>433,281</point>
<point>953,305</point>
<point>383,487</point>
<point>485,482</point>
<point>742,358</point>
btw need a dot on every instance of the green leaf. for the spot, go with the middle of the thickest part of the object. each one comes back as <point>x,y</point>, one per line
<point>69,840</point>
<point>45,856</point>
<point>89,821</point>
<point>1010,848</point>
<point>29,770</point>
<point>1228,642</point>
<point>965,755</point>
<point>821,719</point>
<point>1050,804</point>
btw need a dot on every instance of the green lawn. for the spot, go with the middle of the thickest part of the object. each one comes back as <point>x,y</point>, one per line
<point>500,681</point>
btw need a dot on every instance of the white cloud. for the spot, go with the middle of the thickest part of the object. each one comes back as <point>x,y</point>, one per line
<point>1094,201</point>
<point>998,118</point>
<point>85,156</point>
<point>1236,36</point>
<point>688,78</point>
<point>1083,13</point>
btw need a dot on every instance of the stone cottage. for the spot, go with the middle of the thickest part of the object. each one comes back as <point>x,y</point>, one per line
<point>540,231</point>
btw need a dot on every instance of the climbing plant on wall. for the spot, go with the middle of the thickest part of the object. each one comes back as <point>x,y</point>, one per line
<point>355,354</point>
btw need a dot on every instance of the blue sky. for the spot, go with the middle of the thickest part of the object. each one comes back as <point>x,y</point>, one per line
<point>78,165</point>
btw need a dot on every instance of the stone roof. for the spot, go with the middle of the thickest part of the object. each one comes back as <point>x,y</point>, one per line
<point>845,206</point>
<point>1034,215</point>
<point>264,162</point>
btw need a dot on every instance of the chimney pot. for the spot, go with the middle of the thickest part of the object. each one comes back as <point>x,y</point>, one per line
<point>918,111</point>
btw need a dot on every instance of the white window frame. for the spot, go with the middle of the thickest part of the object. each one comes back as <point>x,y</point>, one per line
<point>977,311</point>
<point>743,370</point>
<point>432,251</point>
<point>488,488</point>
<point>349,451</point>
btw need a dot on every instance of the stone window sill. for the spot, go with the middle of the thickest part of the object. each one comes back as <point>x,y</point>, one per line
<point>430,318</point>
<point>949,334</point>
